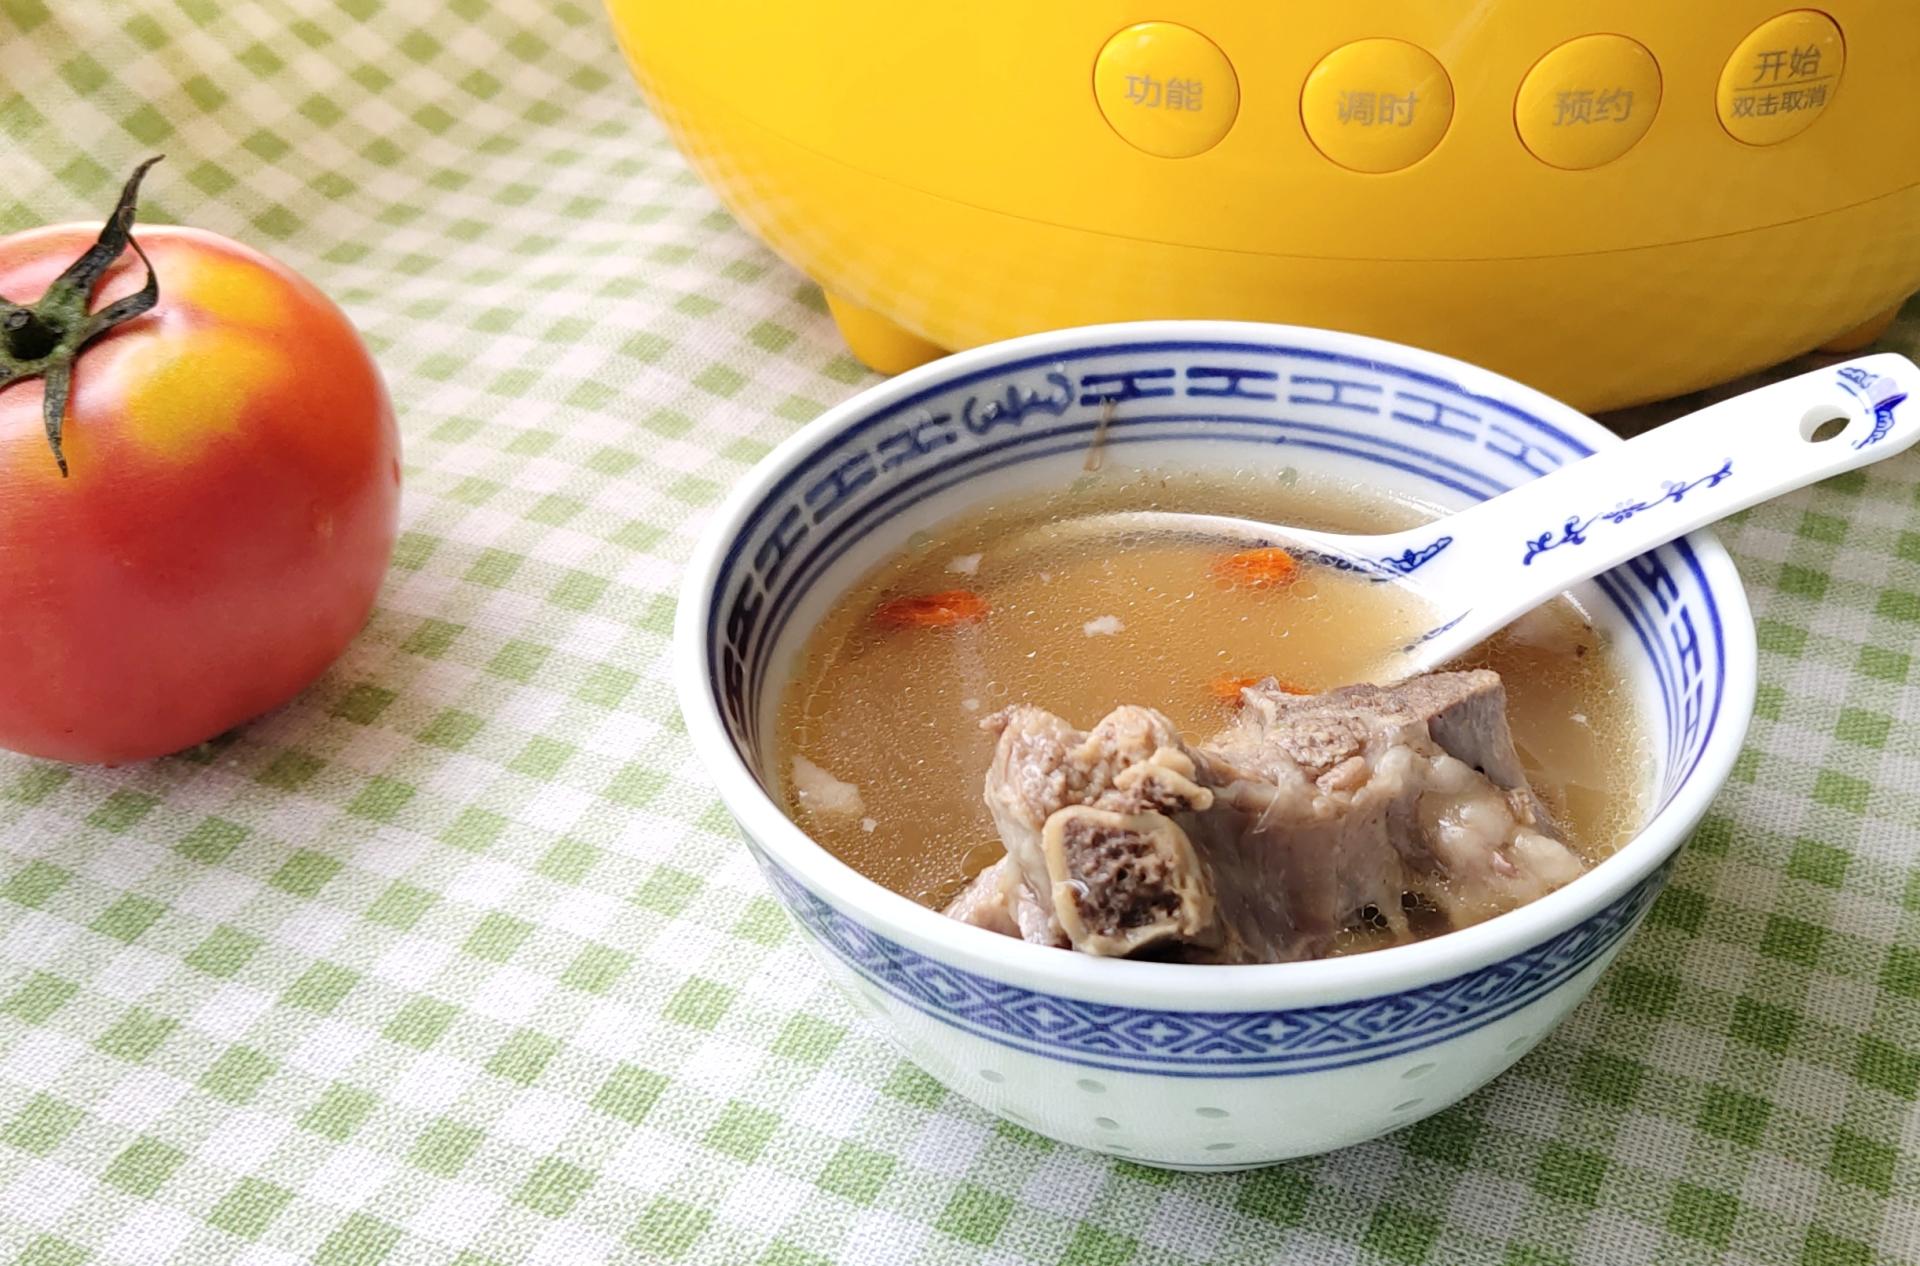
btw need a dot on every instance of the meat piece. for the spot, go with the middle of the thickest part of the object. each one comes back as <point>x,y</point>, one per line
<point>1089,824</point>
<point>1262,844</point>
<point>998,900</point>
<point>1122,881</point>
<point>821,792</point>
<point>1465,714</point>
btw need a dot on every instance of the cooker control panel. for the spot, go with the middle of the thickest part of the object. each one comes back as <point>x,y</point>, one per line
<point>1166,89</point>
<point>1781,77</point>
<point>1380,105</point>
<point>1588,101</point>
<point>1377,105</point>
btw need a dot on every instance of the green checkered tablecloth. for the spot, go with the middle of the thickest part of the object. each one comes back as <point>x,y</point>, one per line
<point>458,959</point>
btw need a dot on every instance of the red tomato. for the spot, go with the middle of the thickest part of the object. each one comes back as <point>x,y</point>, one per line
<point>230,508</point>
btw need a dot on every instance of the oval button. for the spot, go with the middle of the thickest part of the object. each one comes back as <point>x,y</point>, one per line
<point>1377,105</point>
<point>1166,89</point>
<point>1588,101</point>
<point>1781,77</point>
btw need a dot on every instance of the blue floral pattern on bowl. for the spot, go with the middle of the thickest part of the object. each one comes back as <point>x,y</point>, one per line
<point>1213,1043</point>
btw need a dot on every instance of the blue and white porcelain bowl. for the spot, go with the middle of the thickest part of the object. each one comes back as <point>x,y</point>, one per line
<point>1168,1064</point>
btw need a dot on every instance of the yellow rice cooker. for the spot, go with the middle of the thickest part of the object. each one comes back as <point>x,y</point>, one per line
<point>1614,203</point>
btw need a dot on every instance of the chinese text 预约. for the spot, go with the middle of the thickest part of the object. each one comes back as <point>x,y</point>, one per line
<point>1592,105</point>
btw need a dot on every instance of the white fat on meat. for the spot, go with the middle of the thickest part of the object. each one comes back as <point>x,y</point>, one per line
<point>1491,860</point>
<point>821,792</point>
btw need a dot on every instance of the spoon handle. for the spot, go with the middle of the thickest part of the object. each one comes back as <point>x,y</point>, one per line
<point>1540,538</point>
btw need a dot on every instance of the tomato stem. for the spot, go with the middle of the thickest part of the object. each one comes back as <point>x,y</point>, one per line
<point>28,336</point>
<point>43,339</point>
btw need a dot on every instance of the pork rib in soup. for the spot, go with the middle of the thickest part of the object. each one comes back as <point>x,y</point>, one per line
<point>884,752</point>
<point>1269,840</point>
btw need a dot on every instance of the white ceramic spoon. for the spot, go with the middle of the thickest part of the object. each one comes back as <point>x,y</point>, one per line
<point>1484,566</point>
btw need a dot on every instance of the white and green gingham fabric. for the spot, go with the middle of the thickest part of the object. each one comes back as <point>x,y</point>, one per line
<point>458,959</point>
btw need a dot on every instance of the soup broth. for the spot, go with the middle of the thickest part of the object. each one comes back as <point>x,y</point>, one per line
<point>1078,625</point>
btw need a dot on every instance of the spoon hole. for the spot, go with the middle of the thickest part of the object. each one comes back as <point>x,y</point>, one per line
<point>1822,423</point>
